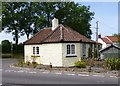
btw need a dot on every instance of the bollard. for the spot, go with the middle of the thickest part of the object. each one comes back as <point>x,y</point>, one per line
<point>50,65</point>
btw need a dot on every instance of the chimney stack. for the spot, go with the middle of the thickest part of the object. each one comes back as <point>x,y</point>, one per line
<point>99,36</point>
<point>54,23</point>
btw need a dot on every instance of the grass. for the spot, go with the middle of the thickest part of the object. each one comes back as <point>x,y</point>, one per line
<point>9,55</point>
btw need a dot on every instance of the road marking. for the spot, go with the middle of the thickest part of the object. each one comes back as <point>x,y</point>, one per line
<point>46,72</point>
<point>82,75</point>
<point>100,81</point>
<point>21,71</point>
<point>9,70</point>
<point>15,71</point>
<point>32,72</point>
<point>0,69</point>
<point>58,73</point>
<point>70,74</point>
<point>113,76</point>
<point>98,75</point>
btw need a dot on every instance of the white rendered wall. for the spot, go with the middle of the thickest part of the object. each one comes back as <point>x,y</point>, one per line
<point>69,61</point>
<point>51,53</point>
<point>104,45</point>
<point>28,52</point>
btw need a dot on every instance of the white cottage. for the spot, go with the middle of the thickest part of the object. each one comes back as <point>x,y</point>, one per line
<point>59,46</point>
<point>107,41</point>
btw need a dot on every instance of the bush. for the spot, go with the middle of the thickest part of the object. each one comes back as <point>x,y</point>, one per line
<point>6,46</point>
<point>112,63</point>
<point>20,63</point>
<point>34,64</point>
<point>80,64</point>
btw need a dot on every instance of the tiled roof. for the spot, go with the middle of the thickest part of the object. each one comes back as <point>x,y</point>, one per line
<point>113,38</point>
<point>106,41</point>
<point>38,37</point>
<point>60,34</point>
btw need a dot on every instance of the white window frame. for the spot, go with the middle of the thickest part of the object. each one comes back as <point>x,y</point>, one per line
<point>70,50</point>
<point>35,51</point>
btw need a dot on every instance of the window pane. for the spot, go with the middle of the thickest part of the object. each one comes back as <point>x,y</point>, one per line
<point>72,49</point>
<point>68,49</point>
<point>37,50</point>
<point>33,50</point>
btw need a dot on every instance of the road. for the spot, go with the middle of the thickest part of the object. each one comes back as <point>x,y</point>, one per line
<point>12,76</point>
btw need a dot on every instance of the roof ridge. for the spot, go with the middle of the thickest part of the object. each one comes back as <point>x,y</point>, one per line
<point>61,33</point>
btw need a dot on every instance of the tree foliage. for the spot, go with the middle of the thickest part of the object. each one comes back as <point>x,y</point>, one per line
<point>11,19</point>
<point>6,46</point>
<point>118,36</point>
<point>25,18</point>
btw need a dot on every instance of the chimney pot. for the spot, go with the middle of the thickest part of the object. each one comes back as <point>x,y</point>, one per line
<point>54,23</point>
<point>99,36</point>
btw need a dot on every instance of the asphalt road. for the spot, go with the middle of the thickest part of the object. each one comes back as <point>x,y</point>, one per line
<point>16,76</point>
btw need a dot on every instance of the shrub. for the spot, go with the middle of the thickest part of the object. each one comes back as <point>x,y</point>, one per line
<point>20,63</point>
<point>112,63</point>
<point>34,64</point>
<point>80,64</point>
<point>6,46</point>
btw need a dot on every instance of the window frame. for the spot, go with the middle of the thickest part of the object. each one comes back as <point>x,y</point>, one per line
<point>71,49</point>
<point>35,50</point>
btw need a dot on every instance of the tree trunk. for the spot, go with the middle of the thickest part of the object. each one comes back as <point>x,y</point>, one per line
<point>48,19</point>
<point>16,36</point>
<point>27,36</point>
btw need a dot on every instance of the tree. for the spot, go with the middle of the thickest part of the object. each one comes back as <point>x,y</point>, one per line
<point>75,16</point>
<point>10,19</point>
<point>6,46</point>
<point>118,36</point>
<point>27,18</point>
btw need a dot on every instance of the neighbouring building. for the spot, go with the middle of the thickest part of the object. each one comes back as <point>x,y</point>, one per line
<point>110,47</point>
<point>57,45</point>
<point>108,40</point>
<point>111,51</point>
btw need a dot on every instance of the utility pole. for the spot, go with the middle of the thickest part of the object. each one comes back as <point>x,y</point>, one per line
<point>97,52</point>
<point>97,31</point>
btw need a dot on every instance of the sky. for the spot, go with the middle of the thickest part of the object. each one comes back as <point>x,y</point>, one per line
<point>106,13</point>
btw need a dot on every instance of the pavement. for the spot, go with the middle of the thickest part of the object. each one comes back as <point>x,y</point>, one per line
<point>105,74</point>
<point>19,75</point>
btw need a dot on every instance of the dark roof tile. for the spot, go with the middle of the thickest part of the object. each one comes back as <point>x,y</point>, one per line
<point>61,33</point>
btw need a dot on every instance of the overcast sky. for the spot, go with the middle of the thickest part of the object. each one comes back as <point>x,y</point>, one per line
<point>106,13</point>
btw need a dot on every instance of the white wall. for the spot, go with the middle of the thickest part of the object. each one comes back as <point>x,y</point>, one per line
<point>51,53</point>
<point>104,45</point>
<point>55,53</point>
<point>28,51</point>
<point>69,61</point>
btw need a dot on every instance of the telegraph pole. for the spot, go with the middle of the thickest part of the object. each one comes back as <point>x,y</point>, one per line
<point>97,52</point>
<point>97,31</point>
